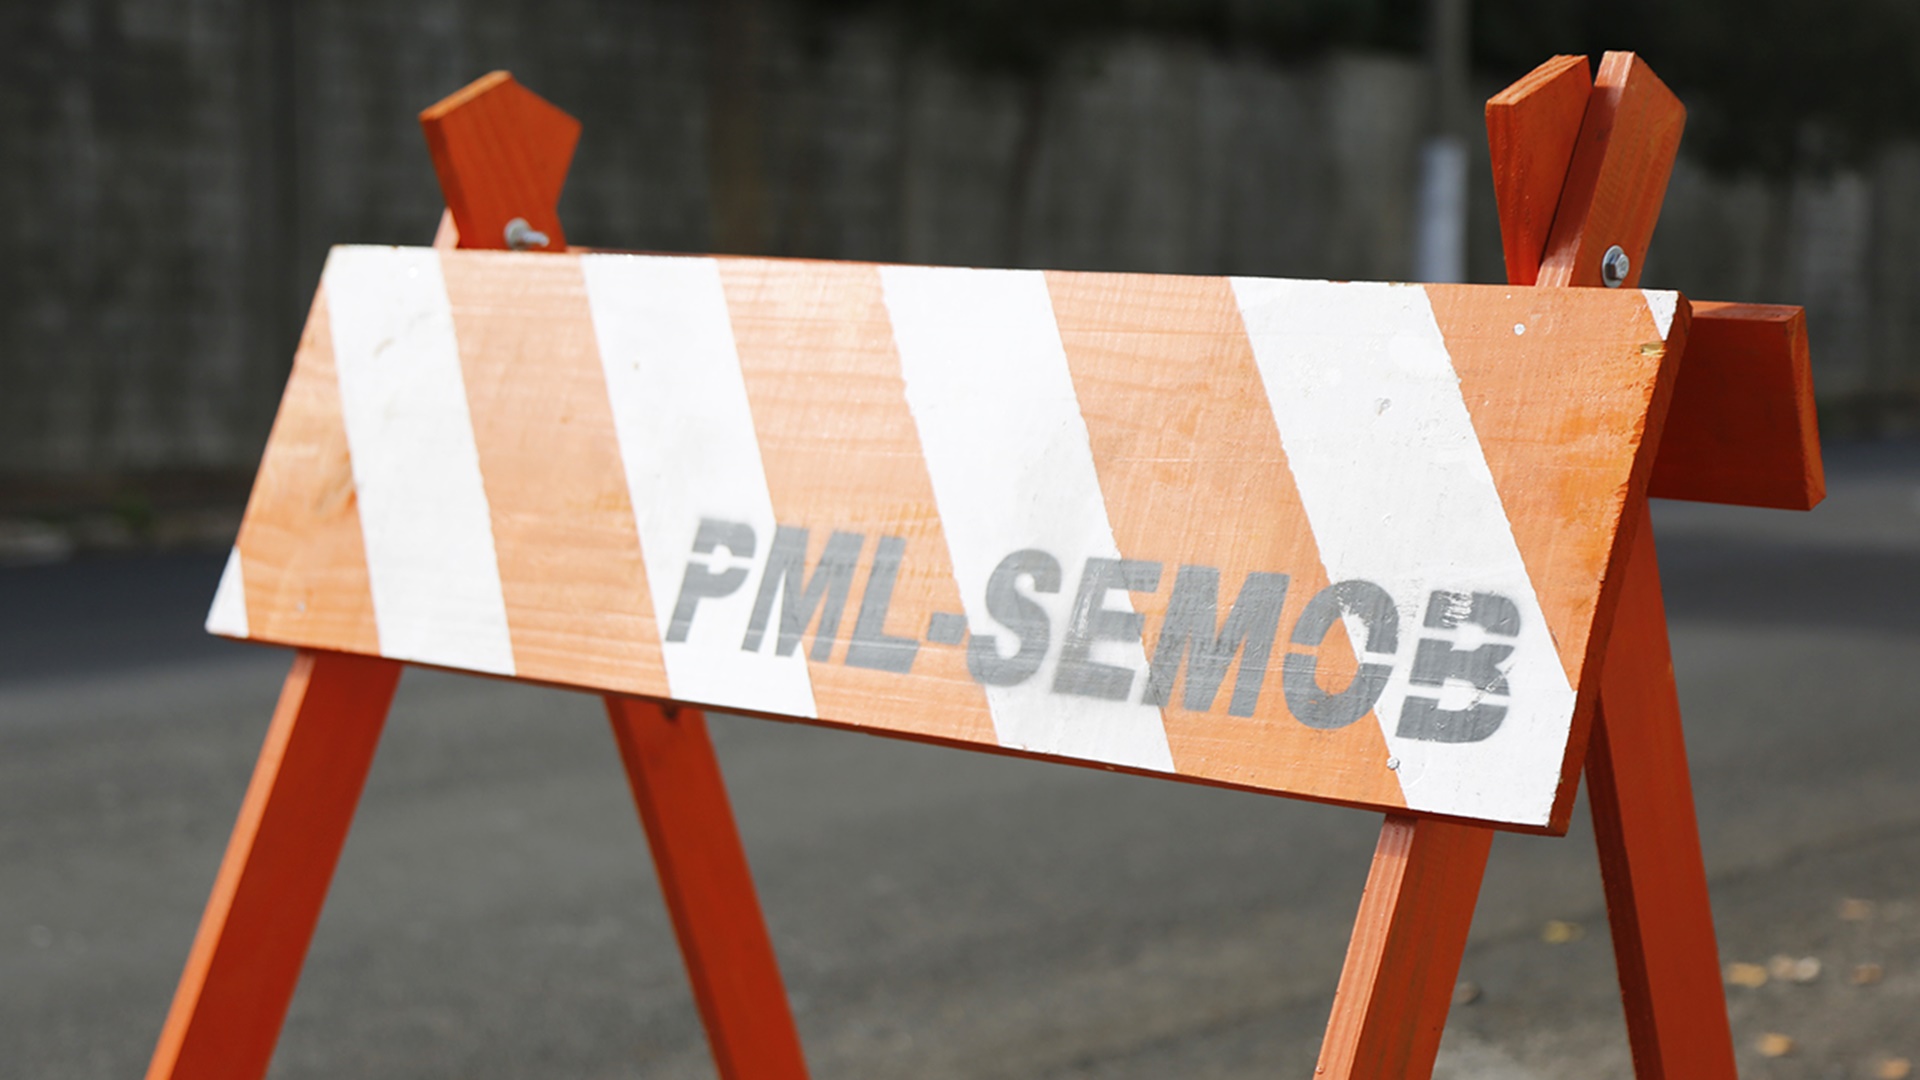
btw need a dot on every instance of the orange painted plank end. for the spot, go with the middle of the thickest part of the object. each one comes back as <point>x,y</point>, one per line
<point>1742,427</point>
<point>1531,129</point>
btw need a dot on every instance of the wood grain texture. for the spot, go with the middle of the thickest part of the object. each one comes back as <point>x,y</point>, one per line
<point>1532,127</point>
<point>1175,410</point>
<point>1580,477</point>
<point>1636,762</point>
<point>1395,989</point>
<point>841,454</point>
<point>300,544</point>
<point>708,889</point>
<point>1650,861</point>
<point>1618,176</point>
<point>1555,414</point>
<point>1408,938</point>
<point>1395,992</point>
<point>577,599</point>
<point>246,958</point>
<point>1583,484</point>
<point>1742,427</point>
<point>501,152</point>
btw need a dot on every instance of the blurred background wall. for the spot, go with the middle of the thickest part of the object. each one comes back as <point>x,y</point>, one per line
<point>174,170</point>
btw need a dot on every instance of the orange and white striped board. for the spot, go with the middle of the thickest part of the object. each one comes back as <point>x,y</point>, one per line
<point>1343,541</point>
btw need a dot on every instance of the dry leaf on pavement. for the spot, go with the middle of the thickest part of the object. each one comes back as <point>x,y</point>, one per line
<point>1854,910</point>
<point>1803,969</point>
<point>1557,932</point>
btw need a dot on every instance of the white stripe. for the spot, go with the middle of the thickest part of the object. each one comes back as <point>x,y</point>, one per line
<point>416,473</point>
<point>690,450</point>
<point>1398,492</point>
<point>228,617</point>
<point>1660,305</point>
<point>1012,468</point>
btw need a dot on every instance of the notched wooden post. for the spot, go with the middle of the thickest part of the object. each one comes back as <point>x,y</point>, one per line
<point>501,153</point>
<point>1740,429</point>
<point>1617,176</point>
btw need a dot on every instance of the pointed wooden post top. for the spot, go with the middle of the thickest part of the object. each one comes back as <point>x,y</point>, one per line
<point>1580,168</point>
<point>501,153</point>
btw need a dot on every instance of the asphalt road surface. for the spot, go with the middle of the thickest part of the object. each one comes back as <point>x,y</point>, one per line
<point>941,914</point>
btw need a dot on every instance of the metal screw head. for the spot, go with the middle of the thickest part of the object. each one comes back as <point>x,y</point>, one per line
<point>1614,267</point>
<point>520,236</point>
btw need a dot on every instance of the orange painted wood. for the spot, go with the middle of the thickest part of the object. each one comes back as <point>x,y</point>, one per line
<point>1210,413</point>
<point>819,363</point>
<point>253,937</point>
<point>446,236</point>
<point>301,547</point>
<point>1531,130</point>
<point>589,554</point>
<point>501,152</point>
<point>1650,861</point>
<point>1405,955</point>
<point>1636,760</point>
<point>873,481</point>
<point>1618,176</point>
<point>535,359</point>
<point>708,888</point>
<point>1489,351</point>
<point>1742,427</point>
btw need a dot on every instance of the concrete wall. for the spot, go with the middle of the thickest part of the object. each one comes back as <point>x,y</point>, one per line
<point>1845,245</point>
<point>174,172</point>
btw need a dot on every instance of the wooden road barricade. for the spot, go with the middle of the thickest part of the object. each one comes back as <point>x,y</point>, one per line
<point>1378,545</point>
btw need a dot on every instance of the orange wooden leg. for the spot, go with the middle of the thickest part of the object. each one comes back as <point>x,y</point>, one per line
<point>1650,845</point>
<point>1405,955</point>
<point>246,958</point>
<point>709,889</point>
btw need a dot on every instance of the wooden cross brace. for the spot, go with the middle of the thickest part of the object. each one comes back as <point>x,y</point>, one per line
<point>1581,166</point>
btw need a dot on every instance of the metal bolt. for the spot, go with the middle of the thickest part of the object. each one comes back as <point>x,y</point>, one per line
<point>1614,267</point>
<point>521,236</point>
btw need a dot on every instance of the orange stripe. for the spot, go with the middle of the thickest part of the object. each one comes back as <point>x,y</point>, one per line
<point>816,349</point>
<point>1554,444</point>
<point>301,552</point>
<point>1193,471</point>
<point>563,530</point>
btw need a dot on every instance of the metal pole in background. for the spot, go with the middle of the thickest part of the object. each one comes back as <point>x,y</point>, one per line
<point>1440,222</point>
